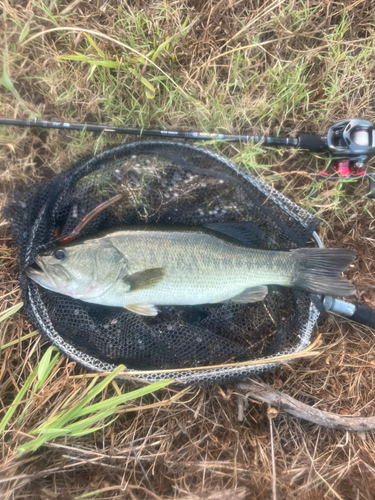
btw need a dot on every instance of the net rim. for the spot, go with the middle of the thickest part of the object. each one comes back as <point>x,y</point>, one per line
<point>204,375</point>
<point>191,377</point>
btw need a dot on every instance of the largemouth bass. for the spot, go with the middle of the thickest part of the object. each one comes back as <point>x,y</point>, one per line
<point>140,269</point>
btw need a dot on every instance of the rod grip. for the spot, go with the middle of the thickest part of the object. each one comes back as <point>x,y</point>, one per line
<point>364,315</point>
<point>311,142</point>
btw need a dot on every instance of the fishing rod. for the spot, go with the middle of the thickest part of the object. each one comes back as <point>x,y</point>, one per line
<point>271,141</point>
<point>351,143</point>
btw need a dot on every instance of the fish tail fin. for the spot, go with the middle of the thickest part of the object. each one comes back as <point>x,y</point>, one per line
<point>319,270</point>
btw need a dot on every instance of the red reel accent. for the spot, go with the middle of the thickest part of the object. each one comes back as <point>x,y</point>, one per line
<point>343,168</point>
<point>347,168</point>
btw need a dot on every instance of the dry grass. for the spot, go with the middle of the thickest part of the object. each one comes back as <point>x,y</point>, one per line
<point>251,66</point>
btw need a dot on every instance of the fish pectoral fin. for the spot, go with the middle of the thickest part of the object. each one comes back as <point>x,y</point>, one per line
<point>142,309</point>
<point>144,279</point>
<point>253,294</point>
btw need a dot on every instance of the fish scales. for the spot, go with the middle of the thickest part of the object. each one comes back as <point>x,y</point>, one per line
<point>141,269</point>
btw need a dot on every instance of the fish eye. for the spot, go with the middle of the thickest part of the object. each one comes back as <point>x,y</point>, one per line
<point>60,254</point>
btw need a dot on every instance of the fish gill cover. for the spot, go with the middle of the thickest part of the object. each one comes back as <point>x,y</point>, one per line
<point>168,183</point>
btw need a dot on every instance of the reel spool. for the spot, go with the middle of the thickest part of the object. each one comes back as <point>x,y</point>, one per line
<point>353,139</point>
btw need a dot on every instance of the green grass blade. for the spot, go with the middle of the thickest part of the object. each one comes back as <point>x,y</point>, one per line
<point>56,418</point>
<point>9,312</point>
<point>6,82</point>
<point>86,423</point>
<point>60,426</point>
<point>32,445</point>
<point>118,400</point>
<point>100,387</point>
<point>85,59</point>
<point>44,362</point>
<point>52,432</point>
<point>74,57</point>
<point>92,429</point>
<point>104,64</point>
<point>93,44</point>
<point>17,399</point>
<point>17,341</point>
<point>46,365</point>
<point>25,31</point>
<point>150,89</point>
<point>160,48</point>
<point>165,45</point>
<point>74,412</point>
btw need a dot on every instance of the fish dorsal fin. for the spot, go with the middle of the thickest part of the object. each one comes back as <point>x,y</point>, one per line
<point>245,233</point>
<point>142,309</point>
<point>144,279</point>
<point>253,294</point>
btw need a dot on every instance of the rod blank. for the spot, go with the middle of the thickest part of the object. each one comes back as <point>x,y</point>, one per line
<point>267,141</point>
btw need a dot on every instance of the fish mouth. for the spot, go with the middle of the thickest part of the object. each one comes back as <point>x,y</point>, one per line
<point>34,268</point>
<point>38,272</point>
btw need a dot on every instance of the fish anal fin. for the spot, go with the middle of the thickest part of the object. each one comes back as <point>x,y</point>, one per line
<point>253,294</point>
<point>142,309</point>
<point>144,279</point>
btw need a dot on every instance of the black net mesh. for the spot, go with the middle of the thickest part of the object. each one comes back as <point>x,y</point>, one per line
<point>164,183</point>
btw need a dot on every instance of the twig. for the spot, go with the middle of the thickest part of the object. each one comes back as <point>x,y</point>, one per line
<point>266,394</point>
<point>274,494</point>
<point>241,407</point>
<point>141,466</point>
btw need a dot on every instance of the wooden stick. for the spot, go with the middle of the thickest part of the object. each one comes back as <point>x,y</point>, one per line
<point>266,394</point>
